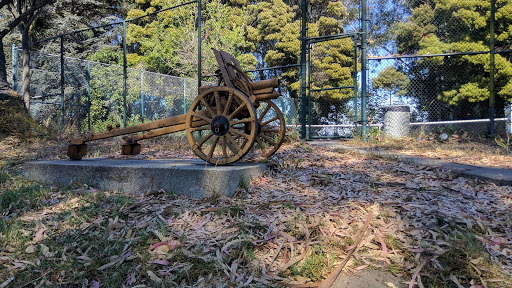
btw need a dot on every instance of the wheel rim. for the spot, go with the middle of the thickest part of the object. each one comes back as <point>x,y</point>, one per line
<point>223,139</point>
<point>271,130</point>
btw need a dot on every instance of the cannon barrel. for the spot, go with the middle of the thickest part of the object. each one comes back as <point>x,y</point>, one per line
<point>262,84</point>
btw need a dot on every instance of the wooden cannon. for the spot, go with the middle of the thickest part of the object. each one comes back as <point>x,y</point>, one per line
<point>223,123</point>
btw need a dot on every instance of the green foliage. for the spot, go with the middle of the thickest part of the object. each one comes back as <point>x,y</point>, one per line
<point>454,26</point>
<point>392,81</point>
<point>269,30</point>
<point>167,43</point>
<point>506,144</point>
<point>64,16</point>
<point>108,55</point>
<point>259,34</point>
<point>107,97</point>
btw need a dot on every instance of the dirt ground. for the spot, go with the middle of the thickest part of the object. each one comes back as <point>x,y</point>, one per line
<point>368,278</point>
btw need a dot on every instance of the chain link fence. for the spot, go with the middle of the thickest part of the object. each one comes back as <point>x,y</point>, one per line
<point>436,59</point>
<point>332,100</point>
<point>93,93</point>
<point>80,80</point>
<point>432,57</point>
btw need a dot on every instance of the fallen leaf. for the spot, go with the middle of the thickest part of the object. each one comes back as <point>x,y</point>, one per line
<point>287,236</point>
<point>161,262</point>
<point>153,277</point>
<point>45,251</point>
<point>162,249</point>
<point>164,246</point>
<point>30,249</point>
<point>39,235</point>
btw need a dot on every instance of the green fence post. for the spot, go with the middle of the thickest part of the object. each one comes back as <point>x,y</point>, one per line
<point>355,81</point>
<point>62,79</point>
<point>14,66</point>
<point>125,64</point>
<point>184,96</point>
<point>303,7</point>
<point>309,88</point>
<point>142,94</point>
<point>492,70</point>
<point>89,95</point>
<point>199,16</point>
<point>364,76</point>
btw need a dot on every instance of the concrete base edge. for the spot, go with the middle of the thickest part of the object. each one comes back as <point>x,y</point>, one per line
<point>191,177</point>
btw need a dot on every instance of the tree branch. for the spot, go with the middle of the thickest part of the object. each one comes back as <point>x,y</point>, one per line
<point>23,17</point>
<point>12,9</point>
<point>4,3</point>
<point>33,17</point>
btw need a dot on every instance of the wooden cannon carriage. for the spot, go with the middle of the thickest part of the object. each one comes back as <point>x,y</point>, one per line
<point>223,123</point>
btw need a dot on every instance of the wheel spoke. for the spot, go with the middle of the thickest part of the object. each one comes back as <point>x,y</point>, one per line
<point>217,102</point>
<point>241,125</point>
<point>265,111</point>
<point>233,123</point>
<point>204,139</point>
<point>228,104</point>
<point>270,130</point>
<point>208,107</point>
<point>214,145</point>
<point>268,139</point>
<point>237,137</point>
<point>233,146</point>
<point>200,116</point>
<point>266,122</point>
<point>242,106</point>
<point>233,130</point>
<point>224,151</point>
<point>260,145</point>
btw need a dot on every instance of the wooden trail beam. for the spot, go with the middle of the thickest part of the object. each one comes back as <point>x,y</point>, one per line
<point>177,122</point>
<point>163,131</point>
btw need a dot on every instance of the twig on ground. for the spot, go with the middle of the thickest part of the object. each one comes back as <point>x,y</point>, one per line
<point>334,274</point>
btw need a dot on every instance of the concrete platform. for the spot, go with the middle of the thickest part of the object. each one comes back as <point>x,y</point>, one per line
<point>191,177</point>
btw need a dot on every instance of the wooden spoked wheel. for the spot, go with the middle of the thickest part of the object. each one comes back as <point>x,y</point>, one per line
<point>272,128</point>
<point>231,125</point>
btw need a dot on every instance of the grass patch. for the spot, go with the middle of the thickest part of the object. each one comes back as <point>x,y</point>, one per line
<point>467,260</point>
<point>14,233</point>
<point>22,195</point>
<point>311,266</point>
<point>4,177</point>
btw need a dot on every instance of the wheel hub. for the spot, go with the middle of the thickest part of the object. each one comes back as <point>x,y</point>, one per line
<point>220,125</point>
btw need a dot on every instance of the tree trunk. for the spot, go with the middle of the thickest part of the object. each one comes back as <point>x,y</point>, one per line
<point>5,89</point>
<point>25,43</point>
